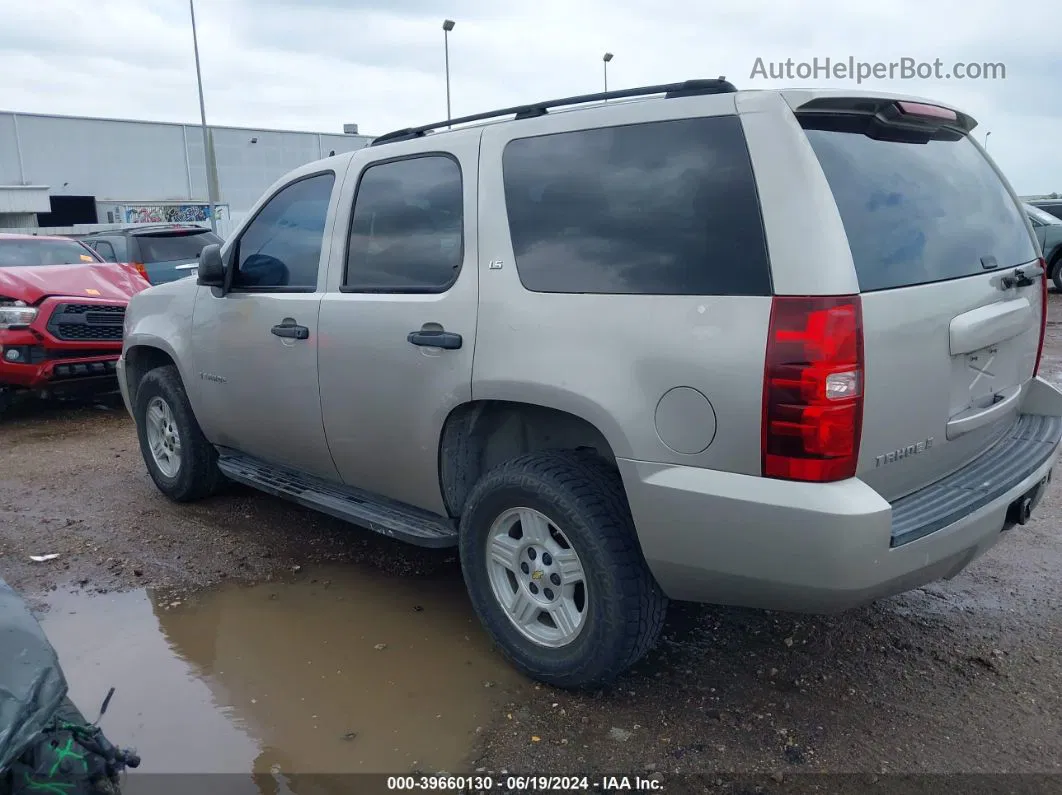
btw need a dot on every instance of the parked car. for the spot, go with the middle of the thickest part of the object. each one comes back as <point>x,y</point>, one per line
<point>701,345</point>
<point>159,252</point>
<point>1052,206</point>
<point>61,315</point>
<point>1048,231</point>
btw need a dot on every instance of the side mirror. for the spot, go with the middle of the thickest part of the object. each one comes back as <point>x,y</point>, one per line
<point>211,267</point>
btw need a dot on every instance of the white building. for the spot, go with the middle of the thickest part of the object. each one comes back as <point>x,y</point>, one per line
<point>62,171</point>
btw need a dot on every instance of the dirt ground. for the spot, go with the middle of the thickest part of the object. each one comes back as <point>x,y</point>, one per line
<point>962,676</point>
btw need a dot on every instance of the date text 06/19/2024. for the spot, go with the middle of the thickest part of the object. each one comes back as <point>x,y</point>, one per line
<point>485,784</point>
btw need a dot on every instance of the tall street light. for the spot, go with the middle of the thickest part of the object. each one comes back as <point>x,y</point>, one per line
<point>207,158</point>
<point>448,25</point>
<point>986,139</point>
<point>605,59</point>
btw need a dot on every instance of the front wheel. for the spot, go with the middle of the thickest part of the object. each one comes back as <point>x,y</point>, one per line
<point>554,570</point>
<point>179,458</point>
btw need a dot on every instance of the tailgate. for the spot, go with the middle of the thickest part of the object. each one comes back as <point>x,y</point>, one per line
<point>951,288</point>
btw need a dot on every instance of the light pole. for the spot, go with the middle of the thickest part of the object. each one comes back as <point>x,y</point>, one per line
<point>986,139</point>
<point>448,25</point>
<point>605,59</point>
<point>207,159</point>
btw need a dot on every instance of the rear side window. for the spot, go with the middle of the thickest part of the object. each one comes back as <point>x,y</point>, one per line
<point>917,213</point>
<point>663,208</point>
<point>104,249</point>
<point>407,231</point>
<point>169,246</point>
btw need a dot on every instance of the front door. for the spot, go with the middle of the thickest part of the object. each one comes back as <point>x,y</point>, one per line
<point>398,324</point>
<point>255,347</point>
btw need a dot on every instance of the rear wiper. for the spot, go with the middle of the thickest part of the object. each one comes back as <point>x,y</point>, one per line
<point>1022,277</point>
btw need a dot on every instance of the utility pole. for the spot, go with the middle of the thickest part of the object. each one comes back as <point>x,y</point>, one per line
<point>208,149</point>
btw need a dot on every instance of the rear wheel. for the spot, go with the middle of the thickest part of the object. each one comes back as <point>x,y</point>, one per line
<point>1056,272</point>
<point>555,572</point>
<point>179,459</point>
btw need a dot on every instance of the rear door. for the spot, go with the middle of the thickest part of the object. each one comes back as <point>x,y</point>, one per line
<point>950,334</point>
<point>168,255</point>
<point>398,323</point>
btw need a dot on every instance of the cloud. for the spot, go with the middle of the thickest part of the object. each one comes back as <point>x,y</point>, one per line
<point>315,64</point>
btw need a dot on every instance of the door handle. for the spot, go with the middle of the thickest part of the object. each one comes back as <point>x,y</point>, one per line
<point>449,340</point>
<point>291,330</point>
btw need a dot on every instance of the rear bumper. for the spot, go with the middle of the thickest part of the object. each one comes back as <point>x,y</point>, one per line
<point>735,539</point>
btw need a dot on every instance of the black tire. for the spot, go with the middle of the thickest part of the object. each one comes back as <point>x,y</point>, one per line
<point>1056,273</point>
<point>198,475</point>
<point>624,608</point>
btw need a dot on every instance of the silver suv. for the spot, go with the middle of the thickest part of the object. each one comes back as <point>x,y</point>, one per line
<point>770,348</point>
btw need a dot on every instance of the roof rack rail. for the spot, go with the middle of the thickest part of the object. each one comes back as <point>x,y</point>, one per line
<point>689,88</point>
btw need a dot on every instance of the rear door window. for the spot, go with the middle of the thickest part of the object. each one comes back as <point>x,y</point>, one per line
<point>662,208</point>
<point>917,213</point>
<point>104,249</point>
<point>170,246</point>
<point>407,232</point>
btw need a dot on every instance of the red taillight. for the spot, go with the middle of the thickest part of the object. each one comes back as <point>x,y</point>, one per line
<point>922,109</point>
<point>1043,316</point>
<point>813,388</point>
<point>141,270</point>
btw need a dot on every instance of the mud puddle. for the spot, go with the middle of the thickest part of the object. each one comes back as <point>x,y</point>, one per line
<point>342,670</point>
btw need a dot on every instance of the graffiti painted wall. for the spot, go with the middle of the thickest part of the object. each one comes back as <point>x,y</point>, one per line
<point>166,213</point>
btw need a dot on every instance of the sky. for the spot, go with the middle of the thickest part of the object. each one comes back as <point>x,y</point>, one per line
<point>316,64</point>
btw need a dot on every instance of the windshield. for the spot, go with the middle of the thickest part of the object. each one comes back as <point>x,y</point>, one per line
<point>23,252</point>
<point>1042,216</point>
<point>168,246</point>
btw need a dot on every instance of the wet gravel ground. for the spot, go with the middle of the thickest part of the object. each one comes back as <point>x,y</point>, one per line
<point>961,676</point>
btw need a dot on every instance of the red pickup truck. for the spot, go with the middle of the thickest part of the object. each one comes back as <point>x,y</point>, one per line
<point>62,311</point>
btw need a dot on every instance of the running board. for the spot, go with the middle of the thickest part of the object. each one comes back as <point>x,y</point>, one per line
<point>379,514</point>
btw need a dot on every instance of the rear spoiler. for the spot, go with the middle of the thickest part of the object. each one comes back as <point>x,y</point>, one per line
<point>891,111</point>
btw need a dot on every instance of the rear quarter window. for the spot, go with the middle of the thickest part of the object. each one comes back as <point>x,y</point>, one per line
<point>662,208</point>
<point>917,213</point>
